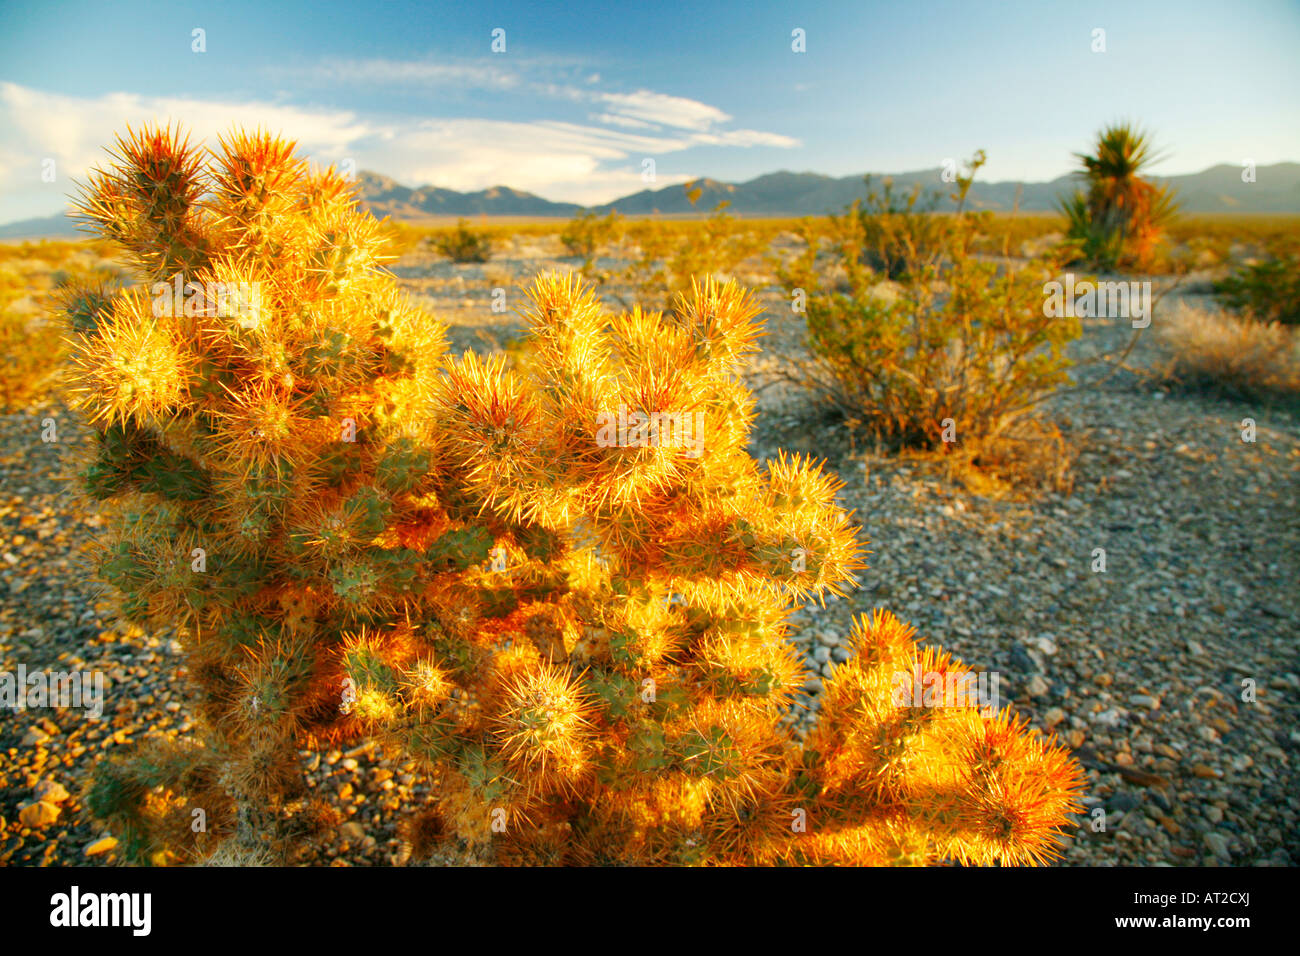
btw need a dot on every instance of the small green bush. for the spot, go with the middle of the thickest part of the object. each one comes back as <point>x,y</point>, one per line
<point>463,244</point>
<point>1267,290</point>
<point>587,233</point>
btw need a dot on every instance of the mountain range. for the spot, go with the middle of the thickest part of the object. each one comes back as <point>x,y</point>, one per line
<point>1219,189</point>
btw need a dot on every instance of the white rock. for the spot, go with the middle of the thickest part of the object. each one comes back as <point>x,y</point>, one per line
<point>1108,718</point>
<point>1218,845</point>
<point>1044,643</point>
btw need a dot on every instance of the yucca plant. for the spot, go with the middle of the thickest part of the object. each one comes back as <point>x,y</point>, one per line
<point>561,589</point>
<point>1118,218</point>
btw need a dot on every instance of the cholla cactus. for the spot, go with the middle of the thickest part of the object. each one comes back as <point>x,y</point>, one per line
<point>562,588</point>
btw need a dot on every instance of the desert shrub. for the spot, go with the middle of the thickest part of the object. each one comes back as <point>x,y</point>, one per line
<point>588,233</point>
<point>954,352</point>
<point>1267,290</point>
<point>895,233</point>
<point>1118,219</point>
<point>1215,351</point>
<point>561,591</point>
<point>464,244</point>
<point>668,257</point>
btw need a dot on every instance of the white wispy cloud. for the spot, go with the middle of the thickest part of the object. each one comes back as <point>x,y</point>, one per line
<point>664,110</point>
<point>585,162</point>
<point>625,121</point>
<point>383,72</point>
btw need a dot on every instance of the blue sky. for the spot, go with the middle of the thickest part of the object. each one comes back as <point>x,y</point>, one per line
<point>585,92</point>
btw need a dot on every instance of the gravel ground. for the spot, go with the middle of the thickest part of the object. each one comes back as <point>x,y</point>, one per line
<point>1139,668</point>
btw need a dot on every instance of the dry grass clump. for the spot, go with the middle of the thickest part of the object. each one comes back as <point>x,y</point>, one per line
<point>1216,351</point>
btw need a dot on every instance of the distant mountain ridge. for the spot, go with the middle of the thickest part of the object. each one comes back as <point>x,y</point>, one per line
<point>1276,189</point>
<point>387,197</point>
<point>1219,189</point>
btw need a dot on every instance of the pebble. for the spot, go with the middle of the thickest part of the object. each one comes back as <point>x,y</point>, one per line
<point>51,792</point>
<point>1108,718</point>
<point>1218,844</point>
<point>101,846</point>
<point>352,830</point>
<point>1045,644</point>
<point>1024,661</point>
<point>1124,801</point>
<point>38,814</point>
